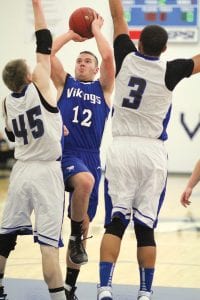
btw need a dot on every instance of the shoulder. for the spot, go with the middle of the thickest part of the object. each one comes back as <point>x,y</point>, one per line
<point>123,45</point>
<point>176,70</point>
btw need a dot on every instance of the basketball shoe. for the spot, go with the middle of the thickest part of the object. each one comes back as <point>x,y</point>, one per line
<point>77,253</point>
<point>143,295</point>
<point>70,295</point>
<point>104,293</point>
<point>3,296</point>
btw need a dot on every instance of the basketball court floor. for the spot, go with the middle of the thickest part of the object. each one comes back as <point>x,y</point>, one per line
<point>177,275</point>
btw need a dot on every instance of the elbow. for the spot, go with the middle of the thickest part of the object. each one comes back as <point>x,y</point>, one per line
<point>108,57</point>
<point>53,52</point>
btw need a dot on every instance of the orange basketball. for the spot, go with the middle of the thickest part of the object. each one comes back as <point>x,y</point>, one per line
<point>80,21</point>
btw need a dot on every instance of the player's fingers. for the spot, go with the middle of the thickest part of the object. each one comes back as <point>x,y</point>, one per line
<point>183,200</point>
<point>66,131</point>
<point>183,203</point>
<point>79,38</point>
<point>95,14</point>
<point>102,19</point>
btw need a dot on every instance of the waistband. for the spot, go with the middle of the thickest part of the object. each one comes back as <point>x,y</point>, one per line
<point>71,150</point>
<point>134,138</point>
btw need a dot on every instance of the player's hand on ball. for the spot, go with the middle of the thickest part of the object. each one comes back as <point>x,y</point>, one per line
<point>76,37</point>
<point>97,22</point>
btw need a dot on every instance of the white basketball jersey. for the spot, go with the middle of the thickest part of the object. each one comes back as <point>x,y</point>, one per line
<point>142,102</point>
<point>37,127</point>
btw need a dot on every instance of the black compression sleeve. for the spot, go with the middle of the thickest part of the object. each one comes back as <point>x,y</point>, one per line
<point>43,41</point>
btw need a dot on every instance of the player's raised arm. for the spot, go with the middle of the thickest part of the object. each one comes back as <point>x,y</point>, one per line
<point>42,71</point>
<point>40,22</point>
<point>119,22</point>
<point>58,74</point>
<point>107,68</point>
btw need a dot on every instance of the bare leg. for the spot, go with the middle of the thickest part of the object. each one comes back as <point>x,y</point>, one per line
<point>3,261</point>
<point>83,184</point>
<point>146,256</point>
<point>109,252</point>
<point>52,272</point>
<point>110,248</point>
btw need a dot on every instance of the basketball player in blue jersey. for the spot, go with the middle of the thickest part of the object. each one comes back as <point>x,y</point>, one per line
<point>84,104</point>
<point>36,184</point>
<point>136,162</point>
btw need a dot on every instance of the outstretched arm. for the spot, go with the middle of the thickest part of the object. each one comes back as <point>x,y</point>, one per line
<point>58,74</point>
<point>193,180</point>
<point>40,22</point>
<point>119,22</point>
<point>107,68</point>
<point>196,60</point>
<point>42,71</point>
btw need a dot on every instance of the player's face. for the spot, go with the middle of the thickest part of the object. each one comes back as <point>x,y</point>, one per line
<point>85,68</point>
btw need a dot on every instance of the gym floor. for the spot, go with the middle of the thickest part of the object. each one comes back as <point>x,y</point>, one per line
<point>177,273</point>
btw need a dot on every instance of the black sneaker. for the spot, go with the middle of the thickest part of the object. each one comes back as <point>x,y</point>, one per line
<point>70,295</point>
<point>77,253</point>
<point>2,295</point>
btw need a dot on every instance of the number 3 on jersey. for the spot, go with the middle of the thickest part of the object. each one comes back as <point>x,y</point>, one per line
<point>35,124</point>
<point>138,86</point>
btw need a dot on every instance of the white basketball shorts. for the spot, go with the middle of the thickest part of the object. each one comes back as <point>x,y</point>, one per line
<point>136,170</point>
<point>35,186</point>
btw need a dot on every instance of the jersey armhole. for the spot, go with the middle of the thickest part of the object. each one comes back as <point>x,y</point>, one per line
<point>46,105</point>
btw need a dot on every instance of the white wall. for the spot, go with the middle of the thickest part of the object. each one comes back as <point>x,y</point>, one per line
<point>17,41</point>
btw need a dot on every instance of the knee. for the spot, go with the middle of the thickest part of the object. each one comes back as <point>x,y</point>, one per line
<point>50,263</point>
<point>7,243</point>
<point>144,235</point>
<point>117,227</point>
<point>85,183</point>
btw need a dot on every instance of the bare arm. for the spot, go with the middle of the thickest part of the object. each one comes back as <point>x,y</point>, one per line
<point>107,68</point>
<point>119,22</point>
<point>8,131</point>
<point>196,60</point>
<point>58,74</point>
<point>42,71</point>
<point>193,180</point>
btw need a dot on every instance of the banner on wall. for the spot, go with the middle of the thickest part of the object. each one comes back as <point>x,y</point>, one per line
<point>179,17</point>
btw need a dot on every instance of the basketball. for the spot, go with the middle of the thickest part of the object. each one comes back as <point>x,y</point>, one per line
<point>80,21</point>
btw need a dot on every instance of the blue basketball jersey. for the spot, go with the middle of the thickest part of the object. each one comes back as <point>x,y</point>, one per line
<point>84,113</point>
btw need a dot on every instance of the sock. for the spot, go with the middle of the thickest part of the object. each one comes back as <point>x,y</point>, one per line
<point>57,294</point>
<point>106,273</point>
<point>146,278</point>
<point>71,276</point>
<point>1,290</point>
<point>1,279</point>
<point>76,228</point>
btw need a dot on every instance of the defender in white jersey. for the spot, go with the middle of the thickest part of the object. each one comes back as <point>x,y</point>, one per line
<point>136,164</point>
<point>33,123</point>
